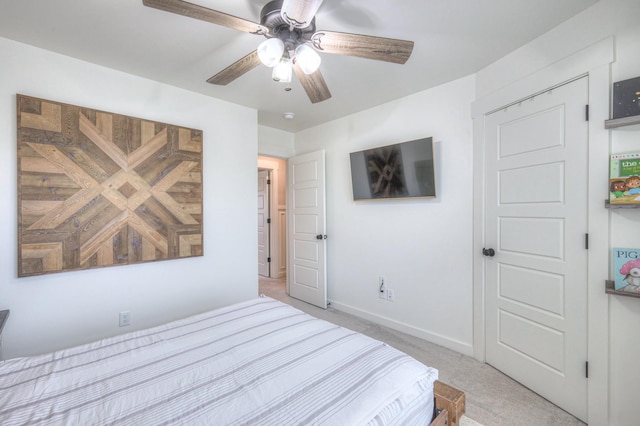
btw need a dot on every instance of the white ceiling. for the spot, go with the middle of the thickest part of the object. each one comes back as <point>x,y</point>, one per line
<point>453,39</point>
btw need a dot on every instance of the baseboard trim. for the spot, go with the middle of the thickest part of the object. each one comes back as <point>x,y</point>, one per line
<point>455,345</point>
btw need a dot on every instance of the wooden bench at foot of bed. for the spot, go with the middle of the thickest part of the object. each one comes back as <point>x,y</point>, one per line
<point>450,403</point>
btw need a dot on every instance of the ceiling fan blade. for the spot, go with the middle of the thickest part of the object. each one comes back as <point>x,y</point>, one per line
<point>205,14</point>
<point>363,46</point>
<point>313,84</point>
<point>236,69</point>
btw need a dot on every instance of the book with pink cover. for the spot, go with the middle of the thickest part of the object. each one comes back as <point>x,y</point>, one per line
<point>626,268</point>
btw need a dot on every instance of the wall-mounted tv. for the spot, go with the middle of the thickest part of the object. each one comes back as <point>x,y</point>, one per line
<point>402,170</point>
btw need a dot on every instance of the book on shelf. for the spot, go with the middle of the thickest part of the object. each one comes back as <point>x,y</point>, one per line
<point>624,178</point>
<point>626,269</point>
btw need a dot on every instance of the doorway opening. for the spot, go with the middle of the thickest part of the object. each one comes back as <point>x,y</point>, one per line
<point>272,214</point>
<point>264,223</point>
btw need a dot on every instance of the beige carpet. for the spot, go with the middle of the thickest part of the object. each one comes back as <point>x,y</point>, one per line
<point>466,421</point>
<point>492,399</point>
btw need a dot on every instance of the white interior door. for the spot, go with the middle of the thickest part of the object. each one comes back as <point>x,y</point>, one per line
<point>307,228</point>
<point>536,221</point>
<point>263,223</point>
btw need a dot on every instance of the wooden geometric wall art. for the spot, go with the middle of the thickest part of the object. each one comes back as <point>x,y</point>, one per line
<point>99,189</point>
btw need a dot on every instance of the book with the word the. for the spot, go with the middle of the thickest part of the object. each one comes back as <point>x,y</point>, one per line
<point>624,178</point>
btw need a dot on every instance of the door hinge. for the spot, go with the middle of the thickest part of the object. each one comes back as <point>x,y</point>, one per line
<point>586,112</point>
<point>586,241</point>
<point>586,369</point>
<point>268,260</point>
<point>269,220</point>
<point>268,181</point>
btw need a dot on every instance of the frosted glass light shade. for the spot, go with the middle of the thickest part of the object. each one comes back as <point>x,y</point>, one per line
<point>282,71</point>
<point>299,13</point>
<point>307,59</point>
<point>270,51</point>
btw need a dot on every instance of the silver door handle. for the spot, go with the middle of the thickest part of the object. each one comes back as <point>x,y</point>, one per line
<point>488,252</point>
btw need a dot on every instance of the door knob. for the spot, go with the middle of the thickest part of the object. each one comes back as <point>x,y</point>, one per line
<point>488,252</point>
<point>321,237</point>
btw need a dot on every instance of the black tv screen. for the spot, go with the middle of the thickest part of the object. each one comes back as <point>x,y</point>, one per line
<point>403,170</point>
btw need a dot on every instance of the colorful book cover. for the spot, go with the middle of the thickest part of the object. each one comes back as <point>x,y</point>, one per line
<point>626,267</point>
<point>624,178</point>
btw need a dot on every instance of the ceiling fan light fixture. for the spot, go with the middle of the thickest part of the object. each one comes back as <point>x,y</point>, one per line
<point>307,59</point>
<point>299,13</point>
<point>283,71</point>
<point>286,25</point>
<point>270,51</point>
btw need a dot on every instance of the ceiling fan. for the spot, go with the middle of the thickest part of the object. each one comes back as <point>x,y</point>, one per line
<point>291,42</point>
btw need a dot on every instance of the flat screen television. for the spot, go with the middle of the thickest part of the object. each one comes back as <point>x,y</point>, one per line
<point>402,170</point>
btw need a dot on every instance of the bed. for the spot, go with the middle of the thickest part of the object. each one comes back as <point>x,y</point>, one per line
<point>259,362</point>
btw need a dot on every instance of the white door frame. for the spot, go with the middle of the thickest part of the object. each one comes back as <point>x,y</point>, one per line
<point>266,222</point>
<point>593,61</point>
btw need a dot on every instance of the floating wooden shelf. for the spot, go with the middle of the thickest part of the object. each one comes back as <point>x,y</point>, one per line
<point>621,122</point>
<point>609,288</point>
<point>608,205</point>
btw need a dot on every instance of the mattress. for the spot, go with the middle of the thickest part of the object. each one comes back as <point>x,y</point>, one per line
<point>259,362</point>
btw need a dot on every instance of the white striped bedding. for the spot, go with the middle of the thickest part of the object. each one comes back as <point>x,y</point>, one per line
<point>259,362</point>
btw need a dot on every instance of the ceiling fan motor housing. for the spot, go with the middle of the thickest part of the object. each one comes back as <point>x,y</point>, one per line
<point>271,18</point>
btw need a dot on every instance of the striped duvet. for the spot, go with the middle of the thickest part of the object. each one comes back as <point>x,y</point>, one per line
<point>259,362</point>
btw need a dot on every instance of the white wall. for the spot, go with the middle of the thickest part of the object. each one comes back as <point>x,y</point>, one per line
<point>421,246</point>
<point>621,315</point>
<point>605,18</point>
<point>58,310</point>
<point>275,142</point>
<point>625,232</point>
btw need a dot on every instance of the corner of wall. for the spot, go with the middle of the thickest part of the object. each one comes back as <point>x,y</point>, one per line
<point>275,142</point>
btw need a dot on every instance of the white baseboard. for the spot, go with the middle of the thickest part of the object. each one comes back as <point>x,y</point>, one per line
<point>463,348</point>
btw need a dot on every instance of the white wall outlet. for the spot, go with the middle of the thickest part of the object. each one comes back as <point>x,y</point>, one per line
<point>125,318</point>
<point>382,287</point>
<point>391,294</point>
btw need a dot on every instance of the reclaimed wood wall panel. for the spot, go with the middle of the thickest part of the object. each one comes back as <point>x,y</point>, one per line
<point>99,189</point>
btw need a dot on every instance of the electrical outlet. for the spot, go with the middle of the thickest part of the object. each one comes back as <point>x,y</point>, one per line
<point>391,294</point>
<point>382,287</point>
<point>125,318</point>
